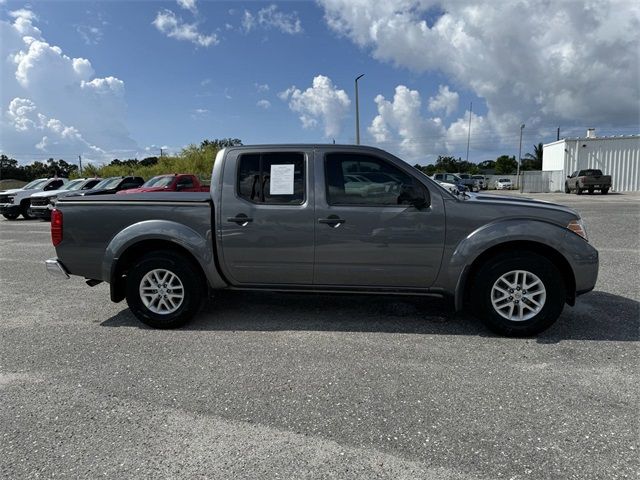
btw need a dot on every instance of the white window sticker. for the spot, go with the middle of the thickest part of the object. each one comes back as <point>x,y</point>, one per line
<point>281,181</point>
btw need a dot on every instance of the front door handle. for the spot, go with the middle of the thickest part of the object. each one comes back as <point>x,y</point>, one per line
<point>240,219</point>
<point>332,220</point>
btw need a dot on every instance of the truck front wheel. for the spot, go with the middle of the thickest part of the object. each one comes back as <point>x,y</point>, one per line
<point>519,294</point>
<point>164,289</point>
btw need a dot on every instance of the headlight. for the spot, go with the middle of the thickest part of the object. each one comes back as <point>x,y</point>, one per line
<point>577,227</point>
<point>53,200</point>
<point>11,199</point>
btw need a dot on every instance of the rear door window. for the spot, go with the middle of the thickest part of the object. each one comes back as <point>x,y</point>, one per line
<point>275,178</point>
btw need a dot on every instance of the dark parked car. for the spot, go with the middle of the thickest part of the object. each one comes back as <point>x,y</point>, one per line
<point>111,185</point>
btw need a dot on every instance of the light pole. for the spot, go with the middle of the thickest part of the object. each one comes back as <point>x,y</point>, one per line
<point>358,111</point>
<point>520,153</point>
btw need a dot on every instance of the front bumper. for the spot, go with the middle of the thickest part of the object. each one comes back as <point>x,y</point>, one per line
<point>56,268</point>
<point>40,212</point>
<point>9,208</point>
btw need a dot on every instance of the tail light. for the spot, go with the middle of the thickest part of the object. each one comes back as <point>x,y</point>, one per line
<point>56,227</point>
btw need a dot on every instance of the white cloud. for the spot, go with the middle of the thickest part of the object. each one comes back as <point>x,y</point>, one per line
<point>322,102</point>
<point>531,61</point>
<point>90,35</point>
<point>401,126</point>
<point>266,104</point>
<point>400,123</point>
<point>174,27</point>
<point>270,17</point>
<point>261,87</point>
<point>445,101</point>
<point>54,103</point>
<point>188,5</point>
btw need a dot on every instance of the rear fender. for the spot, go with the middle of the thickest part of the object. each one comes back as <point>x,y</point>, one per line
<point>198,246</point>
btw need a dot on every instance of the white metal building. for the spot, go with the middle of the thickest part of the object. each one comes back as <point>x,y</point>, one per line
<point>616,156</point>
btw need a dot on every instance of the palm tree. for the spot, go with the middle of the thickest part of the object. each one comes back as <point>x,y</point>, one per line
<point>533,161</point>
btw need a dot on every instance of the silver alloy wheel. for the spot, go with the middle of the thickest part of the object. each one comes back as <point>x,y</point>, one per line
<point>518,295</point>
<point>161,291</point>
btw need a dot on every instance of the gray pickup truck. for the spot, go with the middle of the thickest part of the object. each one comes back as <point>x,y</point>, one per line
<point>282,218</point>
<point>588,180</point>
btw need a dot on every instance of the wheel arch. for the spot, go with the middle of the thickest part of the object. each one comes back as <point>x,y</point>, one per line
<point>462,295</point>
<point>126,259</point>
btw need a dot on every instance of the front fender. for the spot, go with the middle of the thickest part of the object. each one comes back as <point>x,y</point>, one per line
<point>200,248</point>
<point>579,255</point>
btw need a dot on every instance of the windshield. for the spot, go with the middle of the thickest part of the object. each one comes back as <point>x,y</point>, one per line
<point>159,181</point>
<point>107,183</point>
<point>35,184</point>
<point>465,176</point>
<point>478,177</point>
<point>74,185</point>
<point>504,180</point>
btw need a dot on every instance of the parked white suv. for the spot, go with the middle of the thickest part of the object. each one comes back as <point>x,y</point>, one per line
<point>504,184</point>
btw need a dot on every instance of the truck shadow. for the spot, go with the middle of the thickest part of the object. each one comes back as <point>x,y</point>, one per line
<point>597,316</point>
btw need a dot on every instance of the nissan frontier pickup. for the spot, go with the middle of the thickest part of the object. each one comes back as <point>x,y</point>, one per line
<point>284,218</point>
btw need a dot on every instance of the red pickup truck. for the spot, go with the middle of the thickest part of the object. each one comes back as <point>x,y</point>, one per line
<point>178,182</point>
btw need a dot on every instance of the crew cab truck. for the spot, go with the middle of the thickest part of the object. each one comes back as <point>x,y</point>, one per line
<point>588,180</point>
<point>178,182</point>
<point>16,202</point>
<point>280,218</point>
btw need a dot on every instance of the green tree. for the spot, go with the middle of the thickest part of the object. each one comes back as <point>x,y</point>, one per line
<point>533,161</point>
<point>506,165</point>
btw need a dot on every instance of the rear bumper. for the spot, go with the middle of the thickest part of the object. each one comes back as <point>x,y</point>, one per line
<point>56,268</point>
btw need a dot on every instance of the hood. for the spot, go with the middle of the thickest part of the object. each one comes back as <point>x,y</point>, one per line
<point>481,198</point>
<point>11,191</point>
<point>144,189</point>
<point>101,191</point>
<point>51,193</point>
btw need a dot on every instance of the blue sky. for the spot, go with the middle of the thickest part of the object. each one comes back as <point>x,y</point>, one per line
<point>122,79</point>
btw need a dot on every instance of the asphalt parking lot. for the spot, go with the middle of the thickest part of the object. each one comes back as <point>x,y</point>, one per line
<point>314,386</point>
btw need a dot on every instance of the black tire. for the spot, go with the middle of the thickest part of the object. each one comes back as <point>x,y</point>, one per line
<point>604,191</point>
<point>578,191</point>
<point>24,209</point>
<point>10,216</point>
<point>591,191</point>
<point>533,263</point>
<point>566,188</point>
<point>190,277</point>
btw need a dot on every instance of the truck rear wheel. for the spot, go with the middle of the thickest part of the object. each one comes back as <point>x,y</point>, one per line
<point>604,191</point>
<point>164,289</point>
<point>519,294</point>
<point>566,188</point>
<point>10,216</point>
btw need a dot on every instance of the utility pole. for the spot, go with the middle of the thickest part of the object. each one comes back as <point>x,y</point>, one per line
<point>161,153</point>
<point>520,153</point>
<point>469,130</point>
<point>80,163</point>
<point>558,134</point>
<point>358,111</point>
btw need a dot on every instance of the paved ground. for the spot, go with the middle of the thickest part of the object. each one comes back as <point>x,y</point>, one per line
<point>286,386</point>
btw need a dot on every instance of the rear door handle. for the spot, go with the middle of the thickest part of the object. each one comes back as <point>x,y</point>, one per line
<point>240,219</point>
<point>332,220</point>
